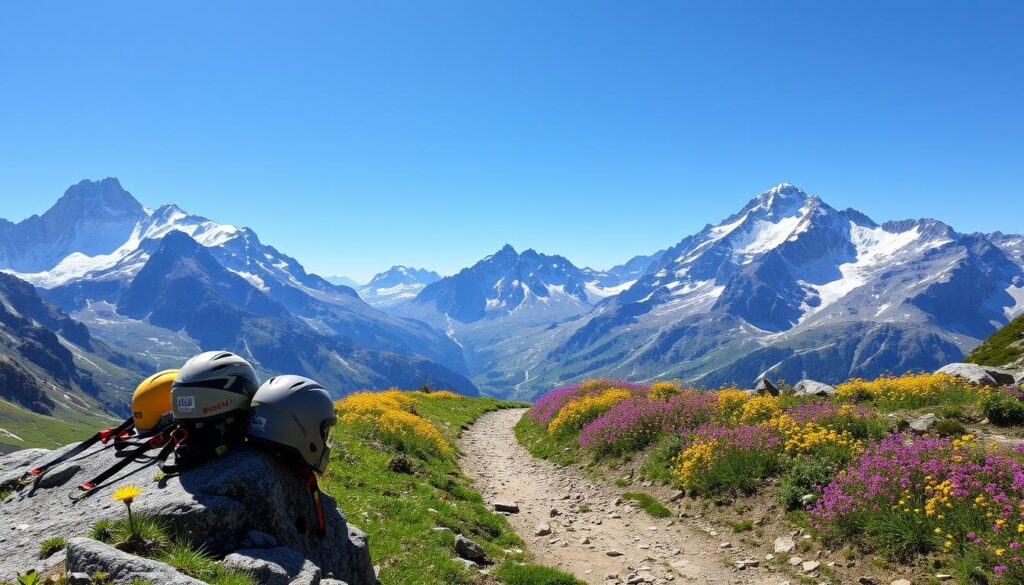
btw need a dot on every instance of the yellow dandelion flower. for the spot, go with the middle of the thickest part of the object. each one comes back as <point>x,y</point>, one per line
<point>127,493</point>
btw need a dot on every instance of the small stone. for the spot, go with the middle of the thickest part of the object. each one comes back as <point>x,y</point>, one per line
<point>613,552</point>
<point>900,582</point>
<point>864,580</point>
<point>924,423</point>
<point>468,549</point>
<point>675,497</point>
<point>504,506</point>
<point>810,566</point>
<point>745,563</point>
<point>769,557</point>
<point>783,545</point>
<point>725,545</point>
<point>554,512</point>
<point>542,529</point>
<point>795,561</point>
<point>943,576</point>
<point>585,540</point>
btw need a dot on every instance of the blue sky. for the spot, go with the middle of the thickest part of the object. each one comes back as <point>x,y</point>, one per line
<point>354,136</point>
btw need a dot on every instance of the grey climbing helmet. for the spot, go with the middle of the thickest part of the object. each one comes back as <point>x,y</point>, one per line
<point>212,385</point>
<point>293,415</point>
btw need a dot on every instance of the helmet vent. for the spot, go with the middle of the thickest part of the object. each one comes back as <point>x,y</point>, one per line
<point>297,384</point>
<point>219,368</point>
<point>226,354</point>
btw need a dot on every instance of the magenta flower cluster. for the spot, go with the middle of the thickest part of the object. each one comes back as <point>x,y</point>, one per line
<point>547,406</point>
<point>743,437</point>
<point>637,422</point>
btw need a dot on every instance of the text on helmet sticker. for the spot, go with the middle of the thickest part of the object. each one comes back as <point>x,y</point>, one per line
<point>185,403</point>
<point>258,423</point>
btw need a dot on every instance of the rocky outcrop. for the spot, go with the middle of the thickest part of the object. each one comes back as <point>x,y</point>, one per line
<point>90,557</point>
<point>812,388</point>
<point>242,502</point>
<point>978,375</point>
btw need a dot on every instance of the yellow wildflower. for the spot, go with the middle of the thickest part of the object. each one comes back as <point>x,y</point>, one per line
<point>127,493</point>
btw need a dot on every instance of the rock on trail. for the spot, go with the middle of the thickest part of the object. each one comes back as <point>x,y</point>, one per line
<point>613,542</point>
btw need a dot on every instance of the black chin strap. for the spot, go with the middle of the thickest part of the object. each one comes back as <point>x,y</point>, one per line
<point>34,475</point>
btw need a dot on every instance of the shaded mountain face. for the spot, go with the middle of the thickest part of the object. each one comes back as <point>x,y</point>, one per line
<point>49,362</point>
<point>165,284</point>
<point>396,285</point>
<point>503,284</point>
<point>182,287</point>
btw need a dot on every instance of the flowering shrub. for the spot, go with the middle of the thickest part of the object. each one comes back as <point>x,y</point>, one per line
<point>730,403</point>
<point>636,422</point>
<point>663,390</point>
<point>758,409</point>
<point>1005,407</point>
<point>584,409</point>
<point>444,394</point>
<point>728,459</point>
<point>390,417</point>
<point>812,438</point>
<point>928,494</point>
<point>547,406</point>
<point>908,390</point>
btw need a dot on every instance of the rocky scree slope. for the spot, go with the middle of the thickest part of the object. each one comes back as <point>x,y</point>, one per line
<point>245,506</point>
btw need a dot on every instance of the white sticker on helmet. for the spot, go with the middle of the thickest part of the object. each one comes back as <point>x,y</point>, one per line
<point>258,423</point>
<point>185,403</point>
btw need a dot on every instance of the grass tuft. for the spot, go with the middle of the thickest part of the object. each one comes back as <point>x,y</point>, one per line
<point>648,504</point>
<point>51,546</point>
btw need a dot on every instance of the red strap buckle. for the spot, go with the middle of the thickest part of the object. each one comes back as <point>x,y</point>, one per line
<point>86,486</point>
<point>105,435</point>
<point>35,471</point>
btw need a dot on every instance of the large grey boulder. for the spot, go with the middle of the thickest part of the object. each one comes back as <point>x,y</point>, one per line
<point>89,556</point>
<point>971,373</point>
<point>217,505</point>
<point>274,566</point>
<point>812,388</point>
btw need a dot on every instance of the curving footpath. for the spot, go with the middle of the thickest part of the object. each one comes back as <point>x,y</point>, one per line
<point>613,542</point>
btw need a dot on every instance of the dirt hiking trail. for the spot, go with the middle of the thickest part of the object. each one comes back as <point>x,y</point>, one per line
<point>613,542</point>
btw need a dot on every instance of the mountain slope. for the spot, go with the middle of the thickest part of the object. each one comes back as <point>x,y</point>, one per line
<point>183,288</point>
<point>56,380</point>
<point>90,284</point>
<point>1004,349</point>
<point>791,287</point>
<point>397,284</point>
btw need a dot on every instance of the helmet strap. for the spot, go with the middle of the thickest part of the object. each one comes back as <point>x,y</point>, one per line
<point>318,508</point>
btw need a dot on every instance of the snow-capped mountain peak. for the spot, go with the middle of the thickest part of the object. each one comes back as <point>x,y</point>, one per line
<point>397,284</point>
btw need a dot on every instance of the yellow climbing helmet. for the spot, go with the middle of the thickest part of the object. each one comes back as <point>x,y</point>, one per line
<point>152,400</point>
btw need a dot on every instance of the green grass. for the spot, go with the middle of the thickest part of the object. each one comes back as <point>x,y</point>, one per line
<point>648,504</point>
<point>394,508</point>
<point>525,574</point>
<point>163,546</point>
<point>35,430</point>
<point>1003,347</point>
<point>544,446</point>
<point>742,526</point>
<point>52,545</point>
